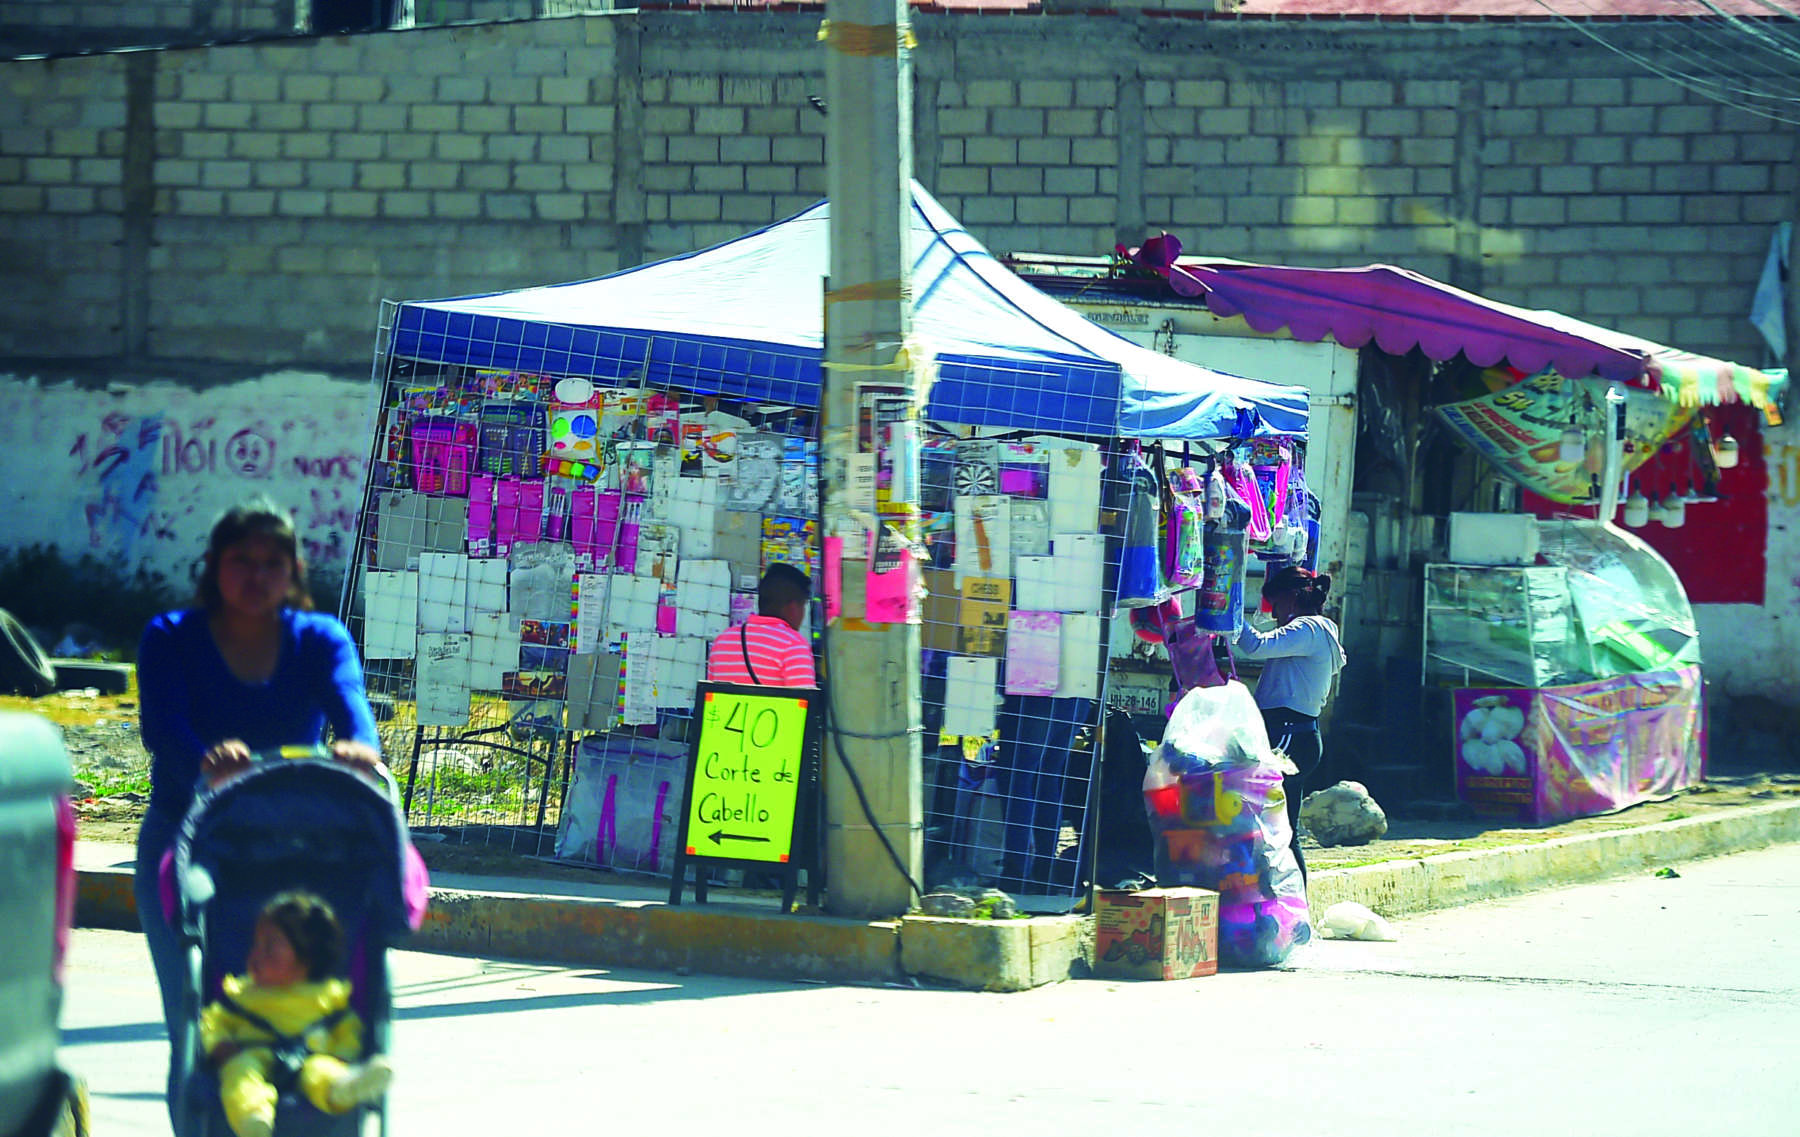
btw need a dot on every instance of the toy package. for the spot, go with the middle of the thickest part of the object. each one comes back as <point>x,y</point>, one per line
<point>1214,797</point>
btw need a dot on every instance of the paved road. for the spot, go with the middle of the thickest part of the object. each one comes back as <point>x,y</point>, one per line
<point>1639,1007</point>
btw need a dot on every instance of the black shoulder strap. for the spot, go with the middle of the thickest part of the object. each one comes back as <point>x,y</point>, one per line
<point>329,1022</point>
<point>744,642</point>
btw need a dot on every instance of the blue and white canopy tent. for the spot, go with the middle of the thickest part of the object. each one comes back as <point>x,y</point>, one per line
<point>744,320</point>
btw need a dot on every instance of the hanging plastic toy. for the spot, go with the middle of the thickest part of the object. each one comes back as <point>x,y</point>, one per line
<point>1141,581</point>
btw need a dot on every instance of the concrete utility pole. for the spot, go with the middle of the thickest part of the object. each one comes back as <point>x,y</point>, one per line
<point>872,669</point>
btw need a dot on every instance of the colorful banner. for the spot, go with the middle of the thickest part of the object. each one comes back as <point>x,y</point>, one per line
<point>1519,429</point>
<point>1554,753</point>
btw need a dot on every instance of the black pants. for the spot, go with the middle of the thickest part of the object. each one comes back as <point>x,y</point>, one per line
<point>1298,735</point>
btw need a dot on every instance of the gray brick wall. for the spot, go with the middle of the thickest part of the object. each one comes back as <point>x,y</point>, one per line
<point>255,201</point>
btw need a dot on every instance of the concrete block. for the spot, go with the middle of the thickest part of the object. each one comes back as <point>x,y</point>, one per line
<point>719,120</point>
<point>1647,90</point>
<point>507,206</point>
<point>1431,92</point>
<point>285,173</point>
<point>695,148</point>
<point>1223,122</point>
<point>70,199</point>
<point>1041,210</point>
<point>1016,122</point>
<point>331,116</point>
<point>560,206</point>
<point>1045,151</point>
<point>1366,93</point>
<point>1712,209</point>
<point>358,147</point>
<point>589,120</point>
<point>538,120</point>
<point>537,177</point>
<point>1685,120</point>
<point>564,148</point>
<point>1392,123</point>
<point>693,207</point>
<point>461,147</point>
<point>1535,210</point>
<point>1070,181</point>
<point>406,204</point>
<point>1199,93</point>
<point>1427,151</point>
<point>1017,180</point>
<point>591,178</point>
<point>1653,209</point>
<point>1566,179</point>
<point>985,955</point>
<point>719,179</point>
<point>564,90</point>
<point>1681,179</point>
<point>1737,179</point>
<point>1101,152</point>
<point>303,203</point>
<point>1252,150</point>
<point>1310,211</point>
<point>1597,209</point>
<point>222,175</point>
<point>776,179</point>
<point>808,150</point>
<point>355,203</point>
<point>1334,180</point>
<point>1045,92</point>
<point>748,148</point>
<point>1632,121</point>
<point>278,116</point>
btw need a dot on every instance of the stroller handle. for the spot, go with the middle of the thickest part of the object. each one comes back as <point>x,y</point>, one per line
<point>319,752</point>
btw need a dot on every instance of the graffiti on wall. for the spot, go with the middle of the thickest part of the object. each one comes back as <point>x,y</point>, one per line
<point>135,477</point>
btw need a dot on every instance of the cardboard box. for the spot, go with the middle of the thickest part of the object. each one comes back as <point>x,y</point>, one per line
<point>982,614</point>
<point>942,608</point>
<point>1158,933</point>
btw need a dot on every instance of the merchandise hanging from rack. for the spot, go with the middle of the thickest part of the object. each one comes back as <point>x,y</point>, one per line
<point>547,551</point>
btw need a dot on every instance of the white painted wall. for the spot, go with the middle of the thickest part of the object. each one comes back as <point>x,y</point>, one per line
<point>136,474</point>
<point>1747,649</point>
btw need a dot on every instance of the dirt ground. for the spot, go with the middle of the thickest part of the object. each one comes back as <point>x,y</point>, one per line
<point>101,733</point>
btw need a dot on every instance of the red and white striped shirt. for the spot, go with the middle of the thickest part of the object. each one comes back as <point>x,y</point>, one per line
<point>779,655</point>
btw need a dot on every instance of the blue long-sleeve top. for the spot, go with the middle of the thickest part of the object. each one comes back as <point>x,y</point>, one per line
<point>1299,660</point>
<point>189,701</point>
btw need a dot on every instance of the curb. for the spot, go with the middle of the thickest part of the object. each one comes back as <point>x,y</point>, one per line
<point>1447,880</point>
<point>982,955</point>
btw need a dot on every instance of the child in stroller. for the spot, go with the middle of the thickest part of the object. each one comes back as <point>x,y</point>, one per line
<point>288,1022</point>
<point>311,825</point>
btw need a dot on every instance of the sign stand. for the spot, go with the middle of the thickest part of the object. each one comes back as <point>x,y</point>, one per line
<point>750,798</point>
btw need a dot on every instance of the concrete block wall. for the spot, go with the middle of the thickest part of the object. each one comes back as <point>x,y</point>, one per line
<point>254,202</point>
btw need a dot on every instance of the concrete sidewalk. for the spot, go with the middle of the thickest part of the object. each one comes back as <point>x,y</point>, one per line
<point>604,924</point>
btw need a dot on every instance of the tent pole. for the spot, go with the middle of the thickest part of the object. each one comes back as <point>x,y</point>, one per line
<point>874,831</point>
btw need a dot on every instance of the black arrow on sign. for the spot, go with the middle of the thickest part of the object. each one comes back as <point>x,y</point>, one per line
<point>719,835</point>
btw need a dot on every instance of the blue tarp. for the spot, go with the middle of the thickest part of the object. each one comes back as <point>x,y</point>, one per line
<point>744,319</point>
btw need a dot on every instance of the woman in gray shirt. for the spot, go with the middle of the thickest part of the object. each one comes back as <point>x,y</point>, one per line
<point>1299,658</point>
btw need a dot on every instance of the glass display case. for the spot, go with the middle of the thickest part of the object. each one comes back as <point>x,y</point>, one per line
<point>1577,679</point>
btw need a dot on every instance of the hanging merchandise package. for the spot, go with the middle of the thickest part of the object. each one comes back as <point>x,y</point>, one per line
<point>1186,525</point>
<point>1141,582</point>
<point>1219,604</point>
<point>1213,795</point>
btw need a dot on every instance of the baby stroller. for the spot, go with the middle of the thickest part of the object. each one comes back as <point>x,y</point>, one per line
<point>309,823</point>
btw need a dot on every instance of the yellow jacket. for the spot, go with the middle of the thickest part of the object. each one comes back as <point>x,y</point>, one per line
<point>290,1010</point>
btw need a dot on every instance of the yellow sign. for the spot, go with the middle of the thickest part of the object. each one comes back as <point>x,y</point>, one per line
<point>746,776</point>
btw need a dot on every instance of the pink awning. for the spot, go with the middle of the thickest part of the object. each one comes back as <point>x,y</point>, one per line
<point>1399,310</point>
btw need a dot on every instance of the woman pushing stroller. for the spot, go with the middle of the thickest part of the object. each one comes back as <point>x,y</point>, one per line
<point>250,667</point>
<point>289,1022</point>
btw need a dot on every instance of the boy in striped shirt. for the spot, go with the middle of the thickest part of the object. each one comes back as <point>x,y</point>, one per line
<point>768,650</point>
